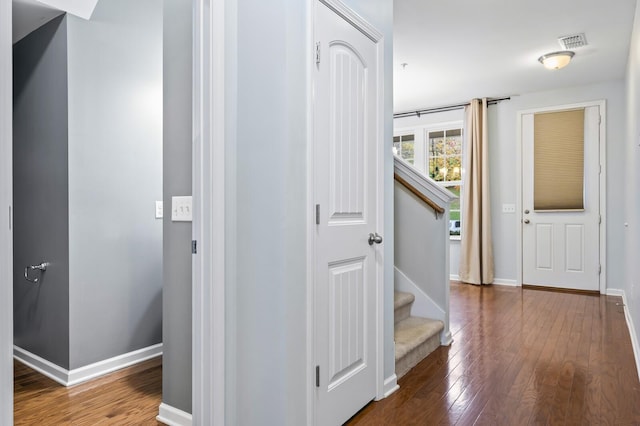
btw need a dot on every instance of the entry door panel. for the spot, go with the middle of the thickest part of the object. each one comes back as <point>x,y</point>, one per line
<point>346,141</point>
<point>560,248</point>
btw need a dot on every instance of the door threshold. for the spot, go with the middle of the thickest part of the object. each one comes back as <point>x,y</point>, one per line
<point>560,290</point>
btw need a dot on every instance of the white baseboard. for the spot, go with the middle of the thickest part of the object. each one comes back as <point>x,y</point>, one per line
<point>41,365</point>
<point>496,281</point>
<point>390,385</point>
<point>173,417</point>
<point>505,282</point>
<point>73,377</point>
<point>446,339</point>
<point>615,292</point>
<point>632,329</point>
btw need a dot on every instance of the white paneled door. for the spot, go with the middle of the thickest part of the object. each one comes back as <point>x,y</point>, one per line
<point>561,246</point>
<point>346,148</point>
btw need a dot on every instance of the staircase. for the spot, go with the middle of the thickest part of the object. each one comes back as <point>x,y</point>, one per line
<point>415,337</point>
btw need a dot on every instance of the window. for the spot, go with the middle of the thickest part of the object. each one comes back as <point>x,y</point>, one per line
<point>444,159</point>
<point>438,155</point>
<point>404,147</point>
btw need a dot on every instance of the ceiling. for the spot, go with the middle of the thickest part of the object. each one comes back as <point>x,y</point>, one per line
<point>457,50</point>
<point>29,15</point>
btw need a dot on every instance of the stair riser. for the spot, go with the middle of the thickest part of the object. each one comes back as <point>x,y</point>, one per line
<point>402,313</point>
<point>412,358</point>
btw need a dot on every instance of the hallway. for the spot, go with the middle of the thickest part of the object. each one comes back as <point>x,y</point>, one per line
<point>521,357</point>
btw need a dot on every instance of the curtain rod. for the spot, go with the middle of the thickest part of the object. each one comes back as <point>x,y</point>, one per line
<point>490,101</point>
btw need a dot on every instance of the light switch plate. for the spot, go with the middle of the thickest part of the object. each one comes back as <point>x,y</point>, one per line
<point>508,208</point>
<point>181,209</point>
<point>159,210</point>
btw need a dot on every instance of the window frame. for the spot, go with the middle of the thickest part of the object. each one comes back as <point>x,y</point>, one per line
<point>421,154</point>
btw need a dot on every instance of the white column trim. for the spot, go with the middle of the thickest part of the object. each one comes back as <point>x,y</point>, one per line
<point>6,200</point>
<point>209,171</point>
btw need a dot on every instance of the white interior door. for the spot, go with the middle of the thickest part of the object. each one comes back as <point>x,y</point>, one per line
<point>346,148</point>
<point>561,247</point>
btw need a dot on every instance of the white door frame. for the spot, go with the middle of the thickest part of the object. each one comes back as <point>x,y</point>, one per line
<point>372,33</point>
<point>210,129</point>
<point>602,183</point>
<point>6,202</point>
<point>208,326</point>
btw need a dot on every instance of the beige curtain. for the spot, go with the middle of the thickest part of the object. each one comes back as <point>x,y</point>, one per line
<point>476,252</point>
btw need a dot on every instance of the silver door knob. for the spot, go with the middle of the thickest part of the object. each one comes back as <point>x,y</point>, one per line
<point>374,238</point>
<point>526,221</point>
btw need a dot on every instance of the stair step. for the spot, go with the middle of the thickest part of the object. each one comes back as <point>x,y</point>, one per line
<point>415,338</point>
<point>402,305</point>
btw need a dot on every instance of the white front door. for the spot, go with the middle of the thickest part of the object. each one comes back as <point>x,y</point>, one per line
<point>347,142</point>
<point>561,247</point>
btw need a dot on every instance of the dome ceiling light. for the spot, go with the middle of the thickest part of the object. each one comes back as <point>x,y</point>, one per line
<point>556,60</point>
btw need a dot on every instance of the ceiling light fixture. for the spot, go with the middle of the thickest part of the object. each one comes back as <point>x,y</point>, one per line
<point>556,60</point>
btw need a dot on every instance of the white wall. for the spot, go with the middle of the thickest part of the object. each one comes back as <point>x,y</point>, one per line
<point>630,244</point>
<point>502,159</point>
<point>6,234</point>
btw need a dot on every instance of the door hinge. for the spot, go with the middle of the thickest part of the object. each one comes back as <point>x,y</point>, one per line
<point>599,269</point>
<point>317,376</point>
<point>194,246</point>
<point>318,53</point>
<point>600,219</point>
<point>317,214</point>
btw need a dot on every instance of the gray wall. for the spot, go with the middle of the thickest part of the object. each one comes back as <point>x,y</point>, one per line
<point>41,312</point>
<point>115,177</point>
<point>631,236</point>
<point>176,306</point>
<point>418,245</point>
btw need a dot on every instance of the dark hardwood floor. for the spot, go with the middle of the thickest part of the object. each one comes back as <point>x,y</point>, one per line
<point>521,357</point>
<point>127,397</point>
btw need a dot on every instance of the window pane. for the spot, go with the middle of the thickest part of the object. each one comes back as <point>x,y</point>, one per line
<point>558,182</point>
<point>436,166</point>
<point>396,139</point>
<point>455,222</point>
<point>454,132</point>
<point>453,146</point>
<point>406,151</point>
<point>436,146</point>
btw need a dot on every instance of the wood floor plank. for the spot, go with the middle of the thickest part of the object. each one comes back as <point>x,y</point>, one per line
<point>521,357</point>
<point>127,397</point>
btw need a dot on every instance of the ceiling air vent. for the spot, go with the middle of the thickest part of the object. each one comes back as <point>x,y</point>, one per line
<point>573,41</point>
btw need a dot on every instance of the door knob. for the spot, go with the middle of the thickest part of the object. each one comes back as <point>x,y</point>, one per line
<point>374,238</point>
<point>526,221</point>
<point>526,211</point>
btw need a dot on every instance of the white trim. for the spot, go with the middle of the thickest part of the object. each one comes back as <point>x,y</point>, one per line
<point>171,416</point>
<point>390,385</point>
<point>601,104</point>
<point>88,372</point>
<point>423,305</point>
<point>506,282</point>
<point>635,344</point>
<point>209,172</point>
<point>496,281</point>
<point>6,197</point>
<point>423,183</point>
<point>355,20</point>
